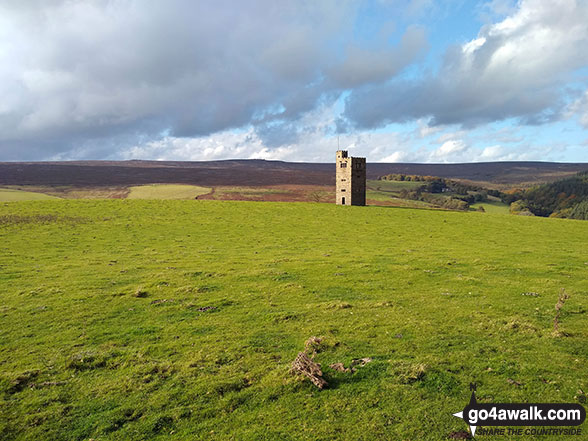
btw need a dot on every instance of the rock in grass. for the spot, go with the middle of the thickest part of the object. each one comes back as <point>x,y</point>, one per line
<point>305,366</point>
<point>314,345</point>
<point>340,367</point>
<point>361,362</point>
<point>140,292</point>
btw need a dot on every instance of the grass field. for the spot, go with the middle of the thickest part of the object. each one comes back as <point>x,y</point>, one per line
<point>166,191</point>
<point>492,207</point>
<point>12,195</point>
<point>147,320</point>
<point>381,192</point>
<point>393,186</point>
<point>75,192</point>
<point>246,193</point>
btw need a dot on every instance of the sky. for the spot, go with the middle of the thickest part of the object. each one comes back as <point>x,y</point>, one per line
<point>437,81</point>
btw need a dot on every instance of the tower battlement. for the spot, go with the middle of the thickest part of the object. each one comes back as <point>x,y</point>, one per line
<point>351,179</point>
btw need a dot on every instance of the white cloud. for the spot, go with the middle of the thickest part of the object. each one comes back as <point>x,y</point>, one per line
<point>579,109</point>
<point>515,68</point>
<point>397,156</point>
<point>280,153</point>
<point>424,129</point>
<point>451,147</point>
<point>492,153</point>
<point>449,136</point>
<point>450,151</point>
<point>501,7</point>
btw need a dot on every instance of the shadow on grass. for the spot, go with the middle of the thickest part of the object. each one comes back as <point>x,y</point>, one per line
<point>372,371</point>
<point>418,208</point>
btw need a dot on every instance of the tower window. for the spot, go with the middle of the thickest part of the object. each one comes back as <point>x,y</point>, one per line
<point>343,165</point>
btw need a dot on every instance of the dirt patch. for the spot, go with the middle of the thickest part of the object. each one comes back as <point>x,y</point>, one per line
<point>22,380</point>
<point>462,434</point>
<point>207,308</point>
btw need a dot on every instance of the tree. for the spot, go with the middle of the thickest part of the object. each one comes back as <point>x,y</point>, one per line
<point>316,196</point>
<point>580,211</point>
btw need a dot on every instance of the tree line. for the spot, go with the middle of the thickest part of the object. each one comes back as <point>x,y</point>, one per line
<point>566,198</point>
<point>456,195</point>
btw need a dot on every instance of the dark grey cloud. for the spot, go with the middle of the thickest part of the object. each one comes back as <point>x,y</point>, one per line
<point>79,74</point>
<point>368,66</point>
<point>514,69</point>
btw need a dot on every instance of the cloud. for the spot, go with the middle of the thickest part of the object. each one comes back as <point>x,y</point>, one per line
<point>74,75</point>
<point>492,152</point>
<point>319,146</point>
<point>314,141</point>
<point>579,109</point>
<point>278,80</point>
<point>498,8</point>
<point>513,69</point>
<point>397,156</point>
<point>424,129</point>
<point>450,148</point>
<point>368,66</point>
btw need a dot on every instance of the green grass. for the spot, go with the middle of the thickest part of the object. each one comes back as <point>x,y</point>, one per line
<point>166,191</point>
<point>492,207</point>
<point>12,195</point>
<point>383,198</point>
<point>103,335</point>
<point>247,193</point>
<point>389,192</point>
<point>253,191</point>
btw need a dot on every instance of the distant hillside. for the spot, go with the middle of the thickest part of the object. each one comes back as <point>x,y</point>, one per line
<point>564,198</point>
<point>263,173</point>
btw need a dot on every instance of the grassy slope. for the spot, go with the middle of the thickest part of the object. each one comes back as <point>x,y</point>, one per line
<point>166,191</point>
<point>10,195</point>
<point>393,186</point>
<point>388,192</point>
<point>245,193</point>
<point>77,192</point>
<point>410,288</point>
<point>492,207</point>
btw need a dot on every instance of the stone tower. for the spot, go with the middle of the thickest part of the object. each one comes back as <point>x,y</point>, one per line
<point>350,179</point>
